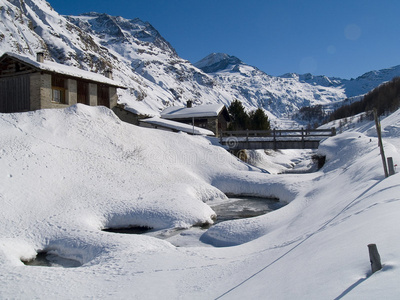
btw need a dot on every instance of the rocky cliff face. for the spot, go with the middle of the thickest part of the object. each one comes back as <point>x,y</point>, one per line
<point>156,76</point>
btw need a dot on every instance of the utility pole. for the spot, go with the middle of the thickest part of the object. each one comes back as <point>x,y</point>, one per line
<point>378,130</point>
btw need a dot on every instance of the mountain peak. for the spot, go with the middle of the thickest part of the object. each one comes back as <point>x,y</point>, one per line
<point>216,62</point>
<point>118,30</point>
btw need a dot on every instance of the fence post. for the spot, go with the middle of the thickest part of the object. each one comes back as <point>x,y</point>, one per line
<point>390,165</point>
<point>378,130</point>
<point>274,139</point>
<point>374,258</point>
<point>302,137</point>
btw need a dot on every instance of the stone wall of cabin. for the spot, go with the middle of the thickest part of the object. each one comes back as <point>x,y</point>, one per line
<point>41,93</point>
<point>113,96</point>
<point>92,94</point>
<point>217,125</point>
<point>46,94</point>
<point>36,83</point>
<point>71,93</point>
<point>222,124</point>
<point>212,124</point>
<point>125,115</point>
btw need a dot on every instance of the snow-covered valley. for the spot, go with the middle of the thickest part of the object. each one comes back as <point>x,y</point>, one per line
<point>68,174</point>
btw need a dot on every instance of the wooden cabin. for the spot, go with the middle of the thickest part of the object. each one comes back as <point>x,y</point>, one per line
<point>26,84</point>
<point>214,117</point>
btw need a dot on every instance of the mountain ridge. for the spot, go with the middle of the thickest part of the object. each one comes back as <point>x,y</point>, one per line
<point>215,62</point>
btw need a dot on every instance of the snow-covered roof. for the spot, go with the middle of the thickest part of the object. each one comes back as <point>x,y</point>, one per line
<point>140,108</point>
<point>63,69</point>
<point>180,112</point>
<point>177,126</point>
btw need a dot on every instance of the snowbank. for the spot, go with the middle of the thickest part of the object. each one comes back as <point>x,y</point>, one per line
<point>67,174</point>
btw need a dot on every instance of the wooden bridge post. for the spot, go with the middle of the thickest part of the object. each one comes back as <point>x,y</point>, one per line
<point>302,138</point>
<point>274,139</point>
<point>247,137</point>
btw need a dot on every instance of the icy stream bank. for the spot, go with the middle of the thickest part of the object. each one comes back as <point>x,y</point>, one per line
<point>226,210</point>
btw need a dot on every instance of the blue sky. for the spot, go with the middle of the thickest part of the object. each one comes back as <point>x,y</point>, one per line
<point>323,37</point>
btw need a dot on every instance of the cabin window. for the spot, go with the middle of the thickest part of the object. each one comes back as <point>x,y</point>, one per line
<point>58,95</point>
<point>83,92</point>
<point>58,89</point>
<point>103,95</point>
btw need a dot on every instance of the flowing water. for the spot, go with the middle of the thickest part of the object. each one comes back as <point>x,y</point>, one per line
<point>232,209</point>
<point>244,207</point>
<point>47,259</point>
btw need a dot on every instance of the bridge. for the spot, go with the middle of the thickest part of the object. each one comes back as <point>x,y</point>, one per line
<point>275,139</point>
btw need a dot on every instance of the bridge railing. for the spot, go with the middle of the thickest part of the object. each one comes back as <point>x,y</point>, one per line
<point>280,133</point>
<point>275,139</point>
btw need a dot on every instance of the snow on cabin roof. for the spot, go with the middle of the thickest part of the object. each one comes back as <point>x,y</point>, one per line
<point>179,112</point>
<point>63,69</point>
<point>177,126</point>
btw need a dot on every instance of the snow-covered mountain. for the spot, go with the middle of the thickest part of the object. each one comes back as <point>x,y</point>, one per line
<point>155,74</point>
<point>166,79</point>
<point>279,95</point>
<point>352,87</point>
<point>284,94</point>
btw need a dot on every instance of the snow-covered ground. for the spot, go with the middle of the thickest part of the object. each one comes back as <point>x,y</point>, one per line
<point>67,174</point>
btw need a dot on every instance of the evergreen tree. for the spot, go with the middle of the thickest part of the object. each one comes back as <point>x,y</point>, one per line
<point>240,120</point>
<point>385,98</point>
<point>259,120</point>
<point>239,117</point>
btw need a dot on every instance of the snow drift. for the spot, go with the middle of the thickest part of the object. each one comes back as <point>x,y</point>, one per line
<point>67,174</point>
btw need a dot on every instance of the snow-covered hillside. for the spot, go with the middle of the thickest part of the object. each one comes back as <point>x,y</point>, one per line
<point>284,95</point>
<point>66,174</point>
<point>278,95</point>
<point>156,76</point>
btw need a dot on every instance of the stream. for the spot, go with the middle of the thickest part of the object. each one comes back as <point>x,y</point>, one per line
<point>232,209</point>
